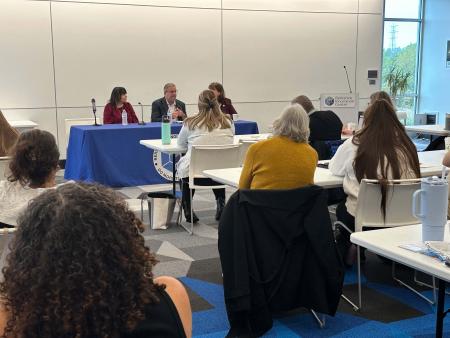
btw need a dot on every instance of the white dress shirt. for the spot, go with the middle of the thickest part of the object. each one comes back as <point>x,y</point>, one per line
<point>172,107</point>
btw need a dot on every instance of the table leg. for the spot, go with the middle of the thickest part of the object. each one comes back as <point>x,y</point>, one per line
<point>440,314</point>
<point>174,182</point>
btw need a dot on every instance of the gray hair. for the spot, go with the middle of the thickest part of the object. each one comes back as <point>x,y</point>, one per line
<point>293,123</point>
<point>168,85</point>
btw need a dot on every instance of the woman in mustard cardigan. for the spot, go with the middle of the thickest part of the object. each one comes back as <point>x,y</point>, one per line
<point>285,161</point>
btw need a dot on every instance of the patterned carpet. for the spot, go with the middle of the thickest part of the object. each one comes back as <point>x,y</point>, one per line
<point>388,309</point>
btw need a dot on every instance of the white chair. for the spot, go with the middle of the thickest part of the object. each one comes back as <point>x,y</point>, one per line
<point>76,122</point>
<point>398,212</point>
<point>4,162</point>
<point>244,145</point>
<point>207,157</point>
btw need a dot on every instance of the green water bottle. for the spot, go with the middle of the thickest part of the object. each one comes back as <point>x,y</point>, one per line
<point>166,130</point>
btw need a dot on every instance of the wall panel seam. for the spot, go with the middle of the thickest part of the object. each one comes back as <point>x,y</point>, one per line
<point>54,73</point>
<point>215,8</point>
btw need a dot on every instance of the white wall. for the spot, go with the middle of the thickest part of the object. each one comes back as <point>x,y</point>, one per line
<point>435,77</point>
<point>57,55</point>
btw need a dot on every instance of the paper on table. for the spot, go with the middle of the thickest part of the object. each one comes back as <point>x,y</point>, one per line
<point>414,247</point>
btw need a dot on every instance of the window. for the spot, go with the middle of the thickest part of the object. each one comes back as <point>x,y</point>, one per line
<point>401,46</point>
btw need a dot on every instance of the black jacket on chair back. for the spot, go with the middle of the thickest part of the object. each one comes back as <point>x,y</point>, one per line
<point>278,253</point>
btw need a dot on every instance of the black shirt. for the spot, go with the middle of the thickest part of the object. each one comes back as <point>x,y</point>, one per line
<point>162,321</point>
<point>324,126</point>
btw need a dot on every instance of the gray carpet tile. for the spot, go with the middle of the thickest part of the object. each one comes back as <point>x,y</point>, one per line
<point>208,270</point>
<point>183,240</point>
<point>377,306</point>
<point>175,268</point>
<point>202,252</point>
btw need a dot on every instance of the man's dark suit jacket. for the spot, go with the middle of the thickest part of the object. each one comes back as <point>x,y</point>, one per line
<point>160,108</point>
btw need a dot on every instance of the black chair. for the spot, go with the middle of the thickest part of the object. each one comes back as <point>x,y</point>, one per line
<point>326,149</point>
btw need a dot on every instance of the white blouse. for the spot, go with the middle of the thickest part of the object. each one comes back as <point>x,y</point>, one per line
<point>187,137</point>
<point>14,198</point>
<point>342,165</point>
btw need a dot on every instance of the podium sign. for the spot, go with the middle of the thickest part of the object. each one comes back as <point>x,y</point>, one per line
<point>345,106</point>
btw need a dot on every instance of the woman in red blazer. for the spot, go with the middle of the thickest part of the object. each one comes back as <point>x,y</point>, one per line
<point>225,103</point>
<point>118,102</point>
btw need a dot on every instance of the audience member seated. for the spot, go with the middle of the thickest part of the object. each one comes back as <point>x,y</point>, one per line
<point>169,105</point>
<point>380,150</point>
<point>33,168</point>
<point>209,126</point>
<point>116,105</point>
<point>8,136</point>
<point>225,103</point>
<point>285,161</point>
<point>323,125</point>
<point>381,95</point>
<point>79,267</point>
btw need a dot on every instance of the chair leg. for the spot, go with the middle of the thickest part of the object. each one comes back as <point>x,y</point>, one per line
<point>358,253</point>
<point>431,286</point>
<point>319,321</point>
<point>354,306</point>
<point>394,277</point>
<point>180,212</point>
<point>192,212</point>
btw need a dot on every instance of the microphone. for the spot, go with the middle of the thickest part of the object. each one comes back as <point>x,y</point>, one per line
<point>94,111</point>
<point>348,80</point>
<point>142,114</point>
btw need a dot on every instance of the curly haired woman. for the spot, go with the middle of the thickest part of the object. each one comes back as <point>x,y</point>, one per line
<point>32,170</point>
<point>79,267</point>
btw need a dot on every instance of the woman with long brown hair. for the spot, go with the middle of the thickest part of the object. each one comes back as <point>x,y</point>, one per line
<point>79,267</point>
<point>381,95</point>
<point>380,150</point>
<point>213,127</point>
<point>8,136</point>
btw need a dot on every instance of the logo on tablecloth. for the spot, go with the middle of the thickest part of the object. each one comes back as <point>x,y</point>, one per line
<point>163,163</point>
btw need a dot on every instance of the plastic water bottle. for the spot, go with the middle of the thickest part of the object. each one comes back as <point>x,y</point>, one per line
<point>124,118</point>
<point>165,130</point>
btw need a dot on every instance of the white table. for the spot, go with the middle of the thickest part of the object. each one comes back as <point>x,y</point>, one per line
<point>385,242</point>
<point>432,157</point>
<point>432,129</point>
<point>324,178</point>
<point>230,176</point>
<point>174,149</point>
<point>24,125</point>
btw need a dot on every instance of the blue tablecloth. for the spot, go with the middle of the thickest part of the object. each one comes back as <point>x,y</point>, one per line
<point>111,154</point>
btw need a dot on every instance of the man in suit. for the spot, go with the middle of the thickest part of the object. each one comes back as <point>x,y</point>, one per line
<point>168,103</point>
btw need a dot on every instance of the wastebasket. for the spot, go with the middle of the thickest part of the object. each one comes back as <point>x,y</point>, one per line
<point>161,206</point>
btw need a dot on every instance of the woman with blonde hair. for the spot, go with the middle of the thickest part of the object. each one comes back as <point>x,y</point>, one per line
<point>8,136</point>
<point>285,161</point>
<point>209,126</point>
